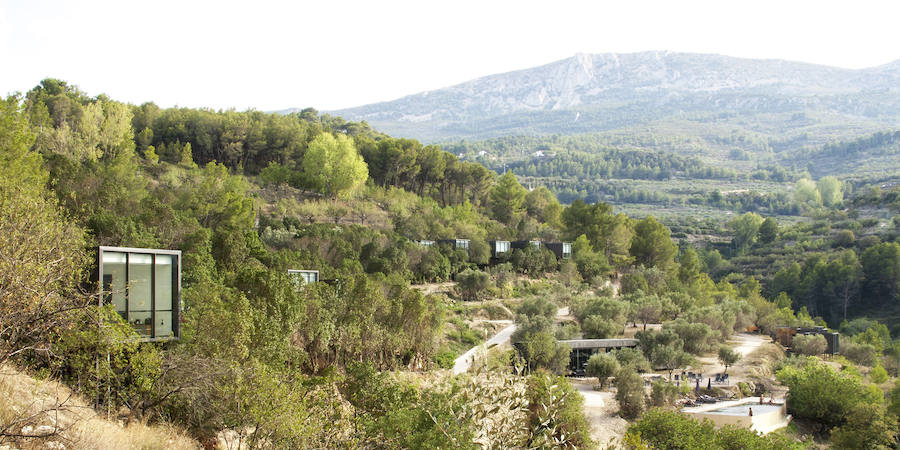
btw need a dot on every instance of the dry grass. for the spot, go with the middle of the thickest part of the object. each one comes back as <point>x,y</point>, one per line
<point>54,417</point>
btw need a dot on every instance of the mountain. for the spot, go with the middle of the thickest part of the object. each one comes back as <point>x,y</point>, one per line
<point>590,93</point>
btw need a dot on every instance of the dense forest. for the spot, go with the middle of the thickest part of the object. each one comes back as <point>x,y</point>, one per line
<point>357,361</point>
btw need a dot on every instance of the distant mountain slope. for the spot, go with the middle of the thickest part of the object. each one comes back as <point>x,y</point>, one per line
<point>588,93</point>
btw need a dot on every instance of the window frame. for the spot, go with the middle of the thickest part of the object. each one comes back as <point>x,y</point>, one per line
<point>176,287</point>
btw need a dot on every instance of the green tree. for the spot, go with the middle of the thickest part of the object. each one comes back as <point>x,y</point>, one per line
<point>333,166</point>
<point>472,282</point>
<point>805,192</point>
<point>745,229</point>
<point>507,199</point>
<point>663,394</point>
<point>555,414</point>
<point>541,204</point>
<point>594,221</point>
<point>535,341</point>
<point>881,268</point>
<point>651,244</point>
<point>602,366</point>
<point>728,357</point>
<point>819,392</point>
<point>688,266</point>
<point>630,393</point>
<point>867,427</point>
<point>590,264</point>
<point>186,157</point>
<point>878,375</point>
<point>768,231</point>
<point>830,190</point>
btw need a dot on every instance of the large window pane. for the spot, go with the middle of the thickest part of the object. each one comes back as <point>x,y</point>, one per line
<point>165,290</point>
<point>140,270</point>
<point>164,320</point>
<point>164,285</point>
<point>114,280</point>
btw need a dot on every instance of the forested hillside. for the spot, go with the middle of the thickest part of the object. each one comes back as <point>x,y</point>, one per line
<point>357,359</point>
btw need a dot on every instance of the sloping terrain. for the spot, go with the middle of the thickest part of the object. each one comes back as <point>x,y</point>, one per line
<point>587,93</point>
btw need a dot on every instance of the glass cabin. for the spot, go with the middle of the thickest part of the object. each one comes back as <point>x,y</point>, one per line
<point>144,286</point>
<point>305,276</point>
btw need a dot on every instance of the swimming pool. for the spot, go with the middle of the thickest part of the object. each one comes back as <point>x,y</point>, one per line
<point>765,418</point>
<point>744,410</point>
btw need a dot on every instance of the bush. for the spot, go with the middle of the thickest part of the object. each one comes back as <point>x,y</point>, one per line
<point>472,282</point>
<point>633,357</point>
<point>809,344</point>
<point>878,375</point>
<point>555,414</point>
<point>664,430</point>
<point>867,427</point>
<point>823,394</point>
<point>596,327</point>
<point>445,359</point>
<point>663,394</point>
<point>630,393</point>
<point>862,354</point>
<point>602,366</point>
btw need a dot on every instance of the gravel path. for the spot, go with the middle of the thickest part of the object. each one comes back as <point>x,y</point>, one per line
<point>465,360</point>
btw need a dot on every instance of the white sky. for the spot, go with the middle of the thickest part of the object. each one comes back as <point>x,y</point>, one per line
<point>332,54</point>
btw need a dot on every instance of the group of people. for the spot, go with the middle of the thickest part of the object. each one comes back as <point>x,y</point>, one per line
<point>762,401</point>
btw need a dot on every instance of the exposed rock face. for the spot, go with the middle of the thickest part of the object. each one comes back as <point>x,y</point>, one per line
<point>632,87</point>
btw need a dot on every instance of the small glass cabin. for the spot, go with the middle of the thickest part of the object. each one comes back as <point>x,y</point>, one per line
<point>305,276</point>
<point>144,286</point>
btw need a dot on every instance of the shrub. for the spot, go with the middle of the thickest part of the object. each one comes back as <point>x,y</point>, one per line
<point>472,282</point>
<point>862,354</point>
<point>821,393</point>
<point>630,393</point>
<point>634,358</point>
<point>555,415</point>
<point>664,430</point>
<point>810,344</point>
<point>867,427</point>
<point>663,394</point>
<point>878,375</point>
<point>602,366</point>
<point>596,327</point>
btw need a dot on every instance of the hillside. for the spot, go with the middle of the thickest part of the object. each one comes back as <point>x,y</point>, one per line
<point>587,93</point>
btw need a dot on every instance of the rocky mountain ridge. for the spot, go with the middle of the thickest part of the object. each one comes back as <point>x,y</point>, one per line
<point>607,90</point>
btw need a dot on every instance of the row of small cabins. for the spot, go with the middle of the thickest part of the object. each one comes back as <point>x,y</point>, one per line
<point>144,285</point>
<point>562,250</point>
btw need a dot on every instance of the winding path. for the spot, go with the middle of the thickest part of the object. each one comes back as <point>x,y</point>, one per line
<point>464,362</point>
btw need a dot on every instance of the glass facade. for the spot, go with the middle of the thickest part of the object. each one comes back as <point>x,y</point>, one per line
<point>462,243</point>
<point>305,276</point>
<point>501,247</point>
<point>567,249</point>
<point>143,286</point>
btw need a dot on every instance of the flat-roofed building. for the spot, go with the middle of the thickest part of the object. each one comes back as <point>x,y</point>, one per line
<point>562,250</point>
<point>499,248</point>
<point>457,244</point>
<point>523,244</point>
<point>144,287</point>
<point>305,276</point>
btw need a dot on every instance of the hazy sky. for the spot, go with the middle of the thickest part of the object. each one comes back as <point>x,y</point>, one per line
<point>333,54</point>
